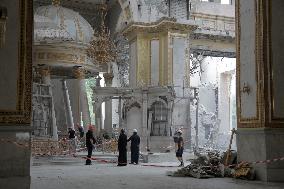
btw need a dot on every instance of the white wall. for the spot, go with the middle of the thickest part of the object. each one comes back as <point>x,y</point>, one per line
<point>134,120</point>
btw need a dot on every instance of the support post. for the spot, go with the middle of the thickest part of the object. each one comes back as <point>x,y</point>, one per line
<point>68,111</point>
<point>108,105</point>
<point>45,74</point>
<point>79,74</point>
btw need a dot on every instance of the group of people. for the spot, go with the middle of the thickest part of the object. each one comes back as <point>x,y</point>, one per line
<point>122,148</point>
<point>135,142</point>
<point>122,145</point>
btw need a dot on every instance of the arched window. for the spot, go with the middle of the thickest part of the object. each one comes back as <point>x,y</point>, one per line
<point>159,126</point>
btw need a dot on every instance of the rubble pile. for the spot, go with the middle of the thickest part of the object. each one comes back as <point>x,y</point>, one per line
<point>205,166</point>
<point>211,165</point>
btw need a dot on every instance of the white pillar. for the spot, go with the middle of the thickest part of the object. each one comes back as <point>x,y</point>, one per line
<point>119,113</point>
<point>97,107</point>
<point>144,137</point>
<point>45,73</point>
<point>68,111</point>
<point>108,105</point>
<point>82,98</point>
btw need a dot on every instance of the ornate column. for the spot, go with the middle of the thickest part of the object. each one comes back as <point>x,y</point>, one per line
<point>45,74</point>
<point>108,105</point>
<point>144,135</point>
<point>119,113</point>
<point>260,77</point>
<point>97,107</point>
<point>68,110</point>
<point>79,74</point>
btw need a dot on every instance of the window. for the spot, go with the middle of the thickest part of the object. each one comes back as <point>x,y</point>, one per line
<point>159,126</point>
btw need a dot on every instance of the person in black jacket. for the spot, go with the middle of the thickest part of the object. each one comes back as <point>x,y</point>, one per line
<point>122,144</point>
<point>179,147</point>
<point>135,142</point>
<point>90,141</point>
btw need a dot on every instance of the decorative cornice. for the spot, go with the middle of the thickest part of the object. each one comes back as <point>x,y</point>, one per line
<point>162,25</point>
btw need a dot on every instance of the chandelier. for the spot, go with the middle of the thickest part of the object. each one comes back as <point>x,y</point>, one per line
<point>102,49</point>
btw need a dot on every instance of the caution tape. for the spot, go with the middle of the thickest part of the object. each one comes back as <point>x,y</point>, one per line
<point>152,165</point>
<point>19,144</point>
<point>265,161</point>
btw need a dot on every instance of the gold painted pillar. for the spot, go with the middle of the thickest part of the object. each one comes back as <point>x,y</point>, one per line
<point>141,35</point>
<point>260,70</point>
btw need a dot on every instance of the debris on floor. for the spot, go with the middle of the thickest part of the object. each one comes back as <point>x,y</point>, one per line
<point>211,165</point>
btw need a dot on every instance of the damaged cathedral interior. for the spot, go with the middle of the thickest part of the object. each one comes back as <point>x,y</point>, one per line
<point>197,81</point>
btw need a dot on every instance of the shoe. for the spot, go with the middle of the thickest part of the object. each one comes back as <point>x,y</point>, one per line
<point>131,163</point>
<point>181,165</point>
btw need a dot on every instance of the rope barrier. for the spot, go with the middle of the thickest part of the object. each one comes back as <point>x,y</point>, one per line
<point>25,144</point>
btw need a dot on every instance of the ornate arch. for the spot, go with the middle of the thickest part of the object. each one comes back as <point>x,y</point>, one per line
<point>157,99</point>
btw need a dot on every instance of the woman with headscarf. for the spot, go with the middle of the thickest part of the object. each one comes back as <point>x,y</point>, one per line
<point>135,142</point>
<point>122,144</point>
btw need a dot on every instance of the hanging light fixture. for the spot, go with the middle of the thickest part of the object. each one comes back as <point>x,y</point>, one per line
<point>102,49</point>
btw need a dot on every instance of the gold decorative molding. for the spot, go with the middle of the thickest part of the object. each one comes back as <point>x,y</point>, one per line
<point>264,68</point>
<point>245,122</point>
<point>273,120</point>
<point>56,2</point>
<point>3,23</point>
<point>60,57</point>
<point>22,114</point>
<point>143,61</point>
<point>162,25</point>
<point>79,72</point>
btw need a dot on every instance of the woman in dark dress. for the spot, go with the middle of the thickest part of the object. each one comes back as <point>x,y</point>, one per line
<point>122,144</point>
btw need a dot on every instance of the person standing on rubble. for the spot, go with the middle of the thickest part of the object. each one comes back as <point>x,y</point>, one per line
<point>179,146</point>
<point>135,142</point>
<point>90,141</point>
<point>122,150</point>
<point>72,140</point>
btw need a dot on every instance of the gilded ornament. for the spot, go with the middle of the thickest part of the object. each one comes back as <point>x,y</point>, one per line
<point>56,2</point>
<point>79,72</point>
<point>102,49</point>
<point>3,23</point>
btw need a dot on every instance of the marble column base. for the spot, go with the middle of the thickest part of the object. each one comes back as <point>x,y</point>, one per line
<point>15,160</point>
<point>15,182</point>
<point>262,144</point>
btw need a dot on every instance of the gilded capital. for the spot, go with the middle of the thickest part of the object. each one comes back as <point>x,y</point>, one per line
<point>79,73</point>
<point>56,2</point>
<point>44,71</point>
<point>108,78</point>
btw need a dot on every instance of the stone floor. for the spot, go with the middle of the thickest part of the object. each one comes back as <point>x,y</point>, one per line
<point>109,176</point>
